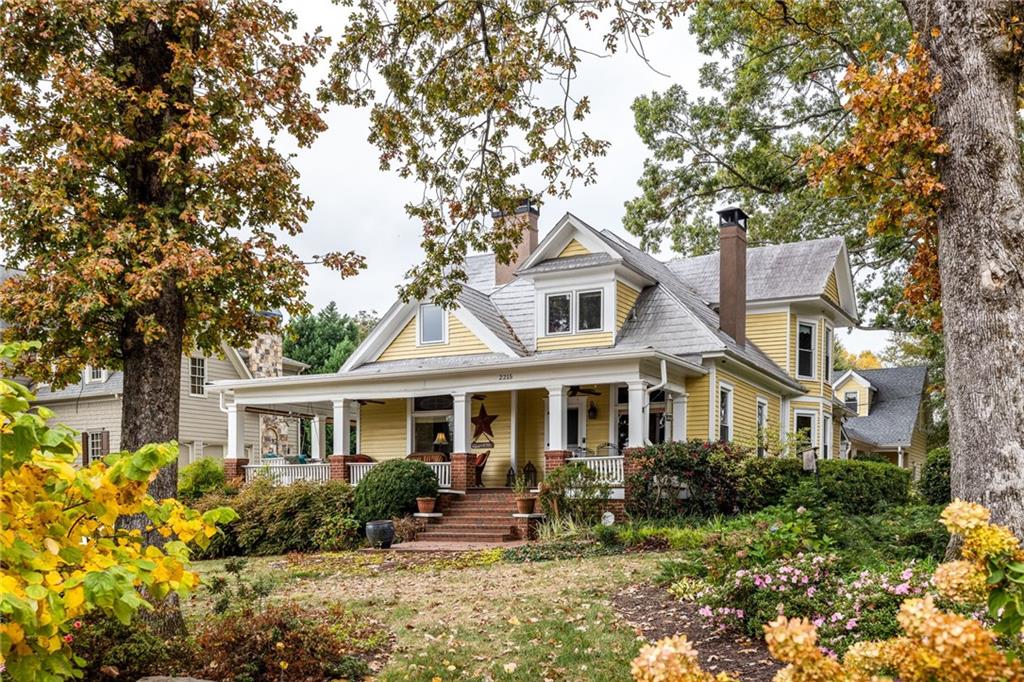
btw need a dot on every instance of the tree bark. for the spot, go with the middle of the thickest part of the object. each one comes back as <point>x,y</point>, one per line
<point>981,247</point>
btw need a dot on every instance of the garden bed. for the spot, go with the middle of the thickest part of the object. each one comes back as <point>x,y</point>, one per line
<point>657,614</point>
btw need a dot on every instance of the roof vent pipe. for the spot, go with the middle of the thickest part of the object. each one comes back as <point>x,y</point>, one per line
<point>732,274</point>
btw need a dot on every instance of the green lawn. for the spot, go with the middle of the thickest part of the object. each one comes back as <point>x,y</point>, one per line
<point>472,618</point>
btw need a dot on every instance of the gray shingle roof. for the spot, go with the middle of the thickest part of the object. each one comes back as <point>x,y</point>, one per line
<point>83,389</point>
<point>480,305</point>
<point>778,271</point>
<point>589,260</point>
<point>894,406</point>
<point>480,272</point>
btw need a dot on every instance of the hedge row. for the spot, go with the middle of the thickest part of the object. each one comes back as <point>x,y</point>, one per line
<point>717,478</point>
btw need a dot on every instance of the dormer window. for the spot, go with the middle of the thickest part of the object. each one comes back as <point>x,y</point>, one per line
<point>432,323</point>
<point>559,307</point>
<point>95,375</point>
<point>589,310</point>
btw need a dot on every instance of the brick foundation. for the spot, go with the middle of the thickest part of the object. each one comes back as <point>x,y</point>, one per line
<point>526,528</point>
<point>554,459</point>
<point>339,467</point>
<point>235,468</point>
<point>463,470</point>
<point>630,467</point>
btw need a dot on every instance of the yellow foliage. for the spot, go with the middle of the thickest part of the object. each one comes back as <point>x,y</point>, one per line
<point>672,659</point>
<point>63,554</point>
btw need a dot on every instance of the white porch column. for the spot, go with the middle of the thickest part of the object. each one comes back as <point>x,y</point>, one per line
<point>679,417</point>
<point>461,403</point>
<point>637,423</point>
<point>558,433</point>
<point>513,416</point>
<point>318,433</point>
<point>342,414</point>
<point>236,432</point>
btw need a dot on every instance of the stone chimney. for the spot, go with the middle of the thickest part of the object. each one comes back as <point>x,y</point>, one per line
<point>732,274</point>
<point>526,215</point>
<point>266,354</point>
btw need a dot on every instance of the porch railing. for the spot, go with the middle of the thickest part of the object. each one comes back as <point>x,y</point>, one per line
<point>357,470</point>
<point>286,474</point>
<point>443,471</point>
<point>608,469</point>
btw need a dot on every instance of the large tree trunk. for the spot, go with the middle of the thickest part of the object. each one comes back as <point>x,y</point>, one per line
<point>981,247</point>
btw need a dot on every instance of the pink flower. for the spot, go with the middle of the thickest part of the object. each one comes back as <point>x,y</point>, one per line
<point>819,621</point>
<point>68,639</point>
<point>836,617</point>
<point>705,611</point>
<point>851,624</point>
<point>902,588</point>
<point>810,591</point>
<point>78,625</point>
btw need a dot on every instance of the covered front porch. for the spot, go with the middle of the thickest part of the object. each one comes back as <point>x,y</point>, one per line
<point>477,428</point>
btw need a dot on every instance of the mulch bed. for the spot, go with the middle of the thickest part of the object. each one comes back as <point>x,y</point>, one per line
<point>657,614</point>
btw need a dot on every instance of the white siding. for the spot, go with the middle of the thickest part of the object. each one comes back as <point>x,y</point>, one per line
<point>91,414</point>
<point>200,417</point>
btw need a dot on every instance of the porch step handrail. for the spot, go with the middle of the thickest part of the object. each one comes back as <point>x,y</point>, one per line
<point>286,474</point>
<point>608,469</point>
<point>443,471</point>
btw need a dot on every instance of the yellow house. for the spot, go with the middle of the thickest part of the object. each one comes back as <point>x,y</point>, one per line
<point>889,413</point>
<point>583,347</point>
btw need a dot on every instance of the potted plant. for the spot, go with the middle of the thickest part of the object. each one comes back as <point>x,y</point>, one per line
<point>380,533</point>
<point>426,504</point>
<point>525,500</point>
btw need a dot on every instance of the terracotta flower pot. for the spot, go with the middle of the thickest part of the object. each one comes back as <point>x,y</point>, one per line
<point>525,504</point>
<point>426,504</point>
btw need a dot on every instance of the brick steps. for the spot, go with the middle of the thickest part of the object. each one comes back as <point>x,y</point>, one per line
<point>481,515</point>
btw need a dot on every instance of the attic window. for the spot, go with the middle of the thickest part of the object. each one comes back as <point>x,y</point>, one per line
<point>850,400</point>
<point>589,310</point>
<point>432,323</point>
<point>559,308</point>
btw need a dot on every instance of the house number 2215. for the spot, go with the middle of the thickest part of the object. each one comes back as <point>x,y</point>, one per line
<point>504,377</point>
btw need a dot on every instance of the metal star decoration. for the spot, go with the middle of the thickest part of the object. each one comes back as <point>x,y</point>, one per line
<point>482,423</point>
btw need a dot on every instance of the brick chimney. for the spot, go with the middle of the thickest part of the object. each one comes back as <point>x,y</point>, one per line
<point>526,216</point>
<point>732,274</point>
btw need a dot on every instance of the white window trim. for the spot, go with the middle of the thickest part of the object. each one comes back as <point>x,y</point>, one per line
<point>419,326</point>
<point>813,435</point>
<point>856,400</point>
<point>410,422</point>
<point>826,437</point>
<point>547,313</point>
<point>724,386</point>
<point>98,436</point>
<point>813,324</point>
<point>576,317</point>
<point>760,429</point>
<point>190,392</point>
<point>828,340</point>
<point>89,378</point>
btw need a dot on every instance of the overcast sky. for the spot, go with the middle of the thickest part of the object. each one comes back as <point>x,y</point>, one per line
<point>359,207</point>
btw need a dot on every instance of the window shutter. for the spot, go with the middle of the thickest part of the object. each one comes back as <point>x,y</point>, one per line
<point>85,449</point>
<point>105,442</point>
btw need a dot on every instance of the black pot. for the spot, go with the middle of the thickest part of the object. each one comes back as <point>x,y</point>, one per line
<point>380,533</point>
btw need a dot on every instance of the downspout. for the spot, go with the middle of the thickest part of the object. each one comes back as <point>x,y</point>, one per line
<point>656,387</point>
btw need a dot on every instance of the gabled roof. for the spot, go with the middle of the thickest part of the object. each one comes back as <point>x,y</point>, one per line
<point>894,408</point>
<point>114,385</point>
<point>779,271</point>
<point>482,308</point>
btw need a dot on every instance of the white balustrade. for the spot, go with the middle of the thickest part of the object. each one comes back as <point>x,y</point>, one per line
<point>443,471</point>
<point>357,470</point>
<point>286,474</point>
<point>608,469</point>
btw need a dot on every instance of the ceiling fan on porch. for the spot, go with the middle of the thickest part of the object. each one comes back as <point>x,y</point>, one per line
<point>365,401</point>
<point>577,390</point>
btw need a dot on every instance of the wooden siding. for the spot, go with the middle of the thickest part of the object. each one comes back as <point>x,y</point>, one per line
<point>530,443</point>
<point>625,298</point>
<point>573,248</point>
<point>597,428</point>
<point>91,414</point>
<point>863,395</point>
<point>697,408</point>
<point>918,450</point>
<point>832,288</point>
<point>461,341</point>
<point>587,340</point>
<point>382,429</point>
<point>497,404</point>
<point>768,332</point>
<point>814,386</point>
<point>744,407</point>
<point>200,417</point>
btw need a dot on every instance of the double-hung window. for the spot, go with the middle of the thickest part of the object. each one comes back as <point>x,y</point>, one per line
<point>569,312</point>
<point>851,401</point>
<point>806,428</point>
<point>805,350</point>
<point>95,446</point>
<point>433,419</point>
<point>725,413</point>
<point>762,425</point>
<point>95,374</point>
<point>826,437</point>
<point>828,355</point>
<point>197,376</point>
<point>433,321</point>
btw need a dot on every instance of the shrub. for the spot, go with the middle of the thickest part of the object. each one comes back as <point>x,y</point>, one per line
<point>763,481</point>
<point>286,642</point>
<point>336,532</point>
<point>112,649</point>
<point>405,529</point>
<point>63,554</point>
<point>300,517</point>
<point>201,478</point>
<point>573,491</point>
<point>859,487</point>
<point>934,484</point>
<point>690,477</point>
<point>871,457</point>
<point>390,489</point>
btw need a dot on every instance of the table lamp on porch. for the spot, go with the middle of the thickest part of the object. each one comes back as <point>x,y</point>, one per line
<point>440,440</point>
